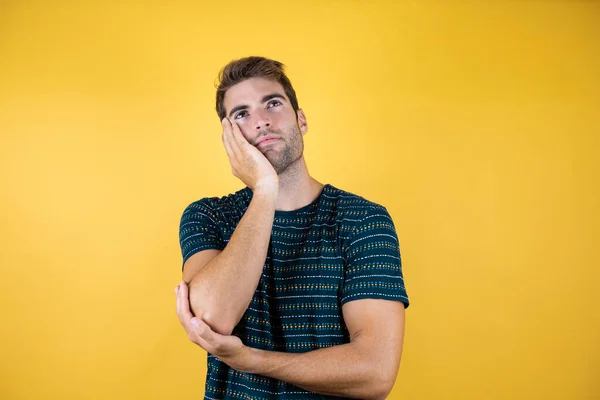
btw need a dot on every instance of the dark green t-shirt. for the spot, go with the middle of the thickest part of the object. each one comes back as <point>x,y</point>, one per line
<point>339,248</point>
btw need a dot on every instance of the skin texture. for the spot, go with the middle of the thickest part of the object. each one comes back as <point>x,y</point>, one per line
<point>221,284</point>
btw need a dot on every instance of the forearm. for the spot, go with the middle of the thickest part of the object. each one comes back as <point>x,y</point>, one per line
<point>222,290</point>
<point>347,370</point>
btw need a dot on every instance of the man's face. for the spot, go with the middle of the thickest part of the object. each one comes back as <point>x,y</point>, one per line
<point>260,107</point>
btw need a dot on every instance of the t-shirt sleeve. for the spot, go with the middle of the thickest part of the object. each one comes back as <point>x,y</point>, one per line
<point>373,264</point>
<point>199,229</point>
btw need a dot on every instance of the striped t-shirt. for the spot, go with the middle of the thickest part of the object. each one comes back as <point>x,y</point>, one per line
<point>339,248</point>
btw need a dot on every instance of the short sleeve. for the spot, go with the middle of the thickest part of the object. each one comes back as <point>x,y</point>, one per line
<point>373,264</point>
<point>199,229</point>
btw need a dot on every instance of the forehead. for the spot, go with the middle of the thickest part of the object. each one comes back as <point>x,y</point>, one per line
<point>250,91</point>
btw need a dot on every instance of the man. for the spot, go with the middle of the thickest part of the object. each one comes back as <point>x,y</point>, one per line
<point>293,287</point>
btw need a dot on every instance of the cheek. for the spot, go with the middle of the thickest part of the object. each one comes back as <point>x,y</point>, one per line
<point>245,128</point>
<point>282,121</point>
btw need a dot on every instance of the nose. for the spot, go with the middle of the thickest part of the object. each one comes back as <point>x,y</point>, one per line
<point>262,121</point>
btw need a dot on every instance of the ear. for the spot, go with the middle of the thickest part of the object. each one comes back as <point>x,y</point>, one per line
<point>302,122</point>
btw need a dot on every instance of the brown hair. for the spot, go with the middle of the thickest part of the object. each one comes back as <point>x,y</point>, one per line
<point>253,67</point>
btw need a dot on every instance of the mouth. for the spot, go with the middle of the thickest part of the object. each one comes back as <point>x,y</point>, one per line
<point>267,142</point>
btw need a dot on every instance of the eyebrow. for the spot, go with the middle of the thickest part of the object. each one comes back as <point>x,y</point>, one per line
<point>264,99</point>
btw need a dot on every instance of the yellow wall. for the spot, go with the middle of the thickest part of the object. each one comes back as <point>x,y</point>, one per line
<point>475,123</point>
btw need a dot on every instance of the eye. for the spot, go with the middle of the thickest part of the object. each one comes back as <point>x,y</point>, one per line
<point>274,103</point>
<point>241,113</point>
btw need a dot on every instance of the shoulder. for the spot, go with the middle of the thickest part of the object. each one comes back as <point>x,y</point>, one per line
<point>215,205</point>
<point>353,206</point>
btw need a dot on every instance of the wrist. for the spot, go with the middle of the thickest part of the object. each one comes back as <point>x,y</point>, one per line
<point>249,360</point>
<point>268,192</point>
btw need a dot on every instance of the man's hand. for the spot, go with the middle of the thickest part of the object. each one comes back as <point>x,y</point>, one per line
<point>247,162</point>
<point>365,368</point>
<point>228,349</point>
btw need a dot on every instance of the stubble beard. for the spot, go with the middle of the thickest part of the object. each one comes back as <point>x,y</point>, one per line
<point>291,152</point>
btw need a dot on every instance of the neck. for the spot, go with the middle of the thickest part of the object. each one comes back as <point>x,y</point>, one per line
<point>296,187</point>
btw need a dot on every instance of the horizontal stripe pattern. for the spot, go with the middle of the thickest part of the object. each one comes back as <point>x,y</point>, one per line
<point>337,249</point>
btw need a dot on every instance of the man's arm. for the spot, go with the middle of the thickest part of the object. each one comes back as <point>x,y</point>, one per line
<point>364,368</point>
<point>221,290</point>
<point>373,301</point>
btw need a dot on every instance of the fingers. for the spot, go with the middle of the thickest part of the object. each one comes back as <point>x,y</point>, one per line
<point>197,330</point>
<point>229,139</point>
<point>238,136</point>
<point>204,332</point>
<point>184,313</point>
<point>183,305</point>
<point>205,337</point>
<point>227,146</point>
<point>177,302</point>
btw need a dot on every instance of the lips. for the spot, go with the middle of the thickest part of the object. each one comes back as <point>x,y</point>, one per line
<point>267,140</point>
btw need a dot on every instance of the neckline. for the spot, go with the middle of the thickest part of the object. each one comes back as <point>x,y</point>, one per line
<point>314,203</point>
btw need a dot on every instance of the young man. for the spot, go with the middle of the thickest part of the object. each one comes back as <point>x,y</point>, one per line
<point>294,288</point>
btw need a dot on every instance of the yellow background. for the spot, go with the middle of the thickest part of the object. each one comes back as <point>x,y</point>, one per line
<point>475,123</point>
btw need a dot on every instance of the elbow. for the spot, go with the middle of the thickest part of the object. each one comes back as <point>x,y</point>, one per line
<point>383,379</point>
<point>204,308</point>
<point>385,393</point>
<point>381,389</point>
<point>218,324</point>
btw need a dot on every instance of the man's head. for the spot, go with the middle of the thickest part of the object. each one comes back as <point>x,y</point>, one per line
<point>253,67</point>
<point>255,94</point>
